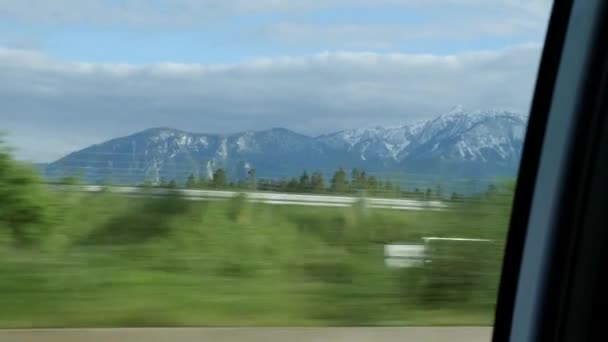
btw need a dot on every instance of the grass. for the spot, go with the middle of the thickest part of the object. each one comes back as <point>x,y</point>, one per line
<point>102,260</point>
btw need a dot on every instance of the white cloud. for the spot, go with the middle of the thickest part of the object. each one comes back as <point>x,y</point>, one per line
<point>392,36</point>
<point>291,25</point>
<point>50,106</point>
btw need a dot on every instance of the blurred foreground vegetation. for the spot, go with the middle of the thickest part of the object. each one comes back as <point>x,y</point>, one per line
<point>97,260</point>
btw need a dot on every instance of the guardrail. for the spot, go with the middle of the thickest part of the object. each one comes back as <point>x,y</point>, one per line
<point>264,197</point>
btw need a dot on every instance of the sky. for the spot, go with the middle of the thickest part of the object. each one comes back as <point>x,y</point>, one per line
<point>78,72</point>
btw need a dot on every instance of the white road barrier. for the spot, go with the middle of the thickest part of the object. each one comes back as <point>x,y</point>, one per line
<point>265,197</point>
<point>404,255</point>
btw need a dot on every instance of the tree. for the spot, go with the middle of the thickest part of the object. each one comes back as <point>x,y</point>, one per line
<point>191,182</point>
<point>317,183</point>
<point>23,202</point>
<point>304,184</point>
<point>219,179</point>
<point>439,191</point>
<point>251,179</point>
<point>292,185</point>
<point>389,189</point>
<point>492,190</point>
<point>264,185</point>
<point>355,177</point>
<point>358,180</point>
<point>280,185</point>
<point>455,197</point>
<point>339,183</point>
<point>69,180</point>
<point>372,184</point>
<point>398,191</point>
<point>172,184</point>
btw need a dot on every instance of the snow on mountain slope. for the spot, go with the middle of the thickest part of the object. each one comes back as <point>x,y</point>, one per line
<point>479,135</point>
<point>493,135</point>
<point>479,143</point>
<point>379,142</point>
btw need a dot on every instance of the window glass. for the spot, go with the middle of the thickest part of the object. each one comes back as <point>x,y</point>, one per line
<point>261,163</point>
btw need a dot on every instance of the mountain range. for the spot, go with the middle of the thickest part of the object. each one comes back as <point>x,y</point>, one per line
<point>459,144</point>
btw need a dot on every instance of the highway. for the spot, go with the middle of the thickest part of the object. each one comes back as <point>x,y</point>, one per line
<point>265,197</point>
<point>435,334</point>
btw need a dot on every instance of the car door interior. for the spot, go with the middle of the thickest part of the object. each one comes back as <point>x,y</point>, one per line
<point>552,281</point>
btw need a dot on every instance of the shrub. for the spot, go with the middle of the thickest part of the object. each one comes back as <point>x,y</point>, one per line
<point>23,202</point>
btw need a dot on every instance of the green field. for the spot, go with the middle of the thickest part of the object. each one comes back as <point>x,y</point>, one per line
<point>101,260</point>
<point>70,259</point>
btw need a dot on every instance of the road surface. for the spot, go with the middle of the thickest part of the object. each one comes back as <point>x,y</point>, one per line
<point>451,334</point>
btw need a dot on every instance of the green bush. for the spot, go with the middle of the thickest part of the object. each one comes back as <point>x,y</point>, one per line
<point>23,201</point>
<point>149,220</point>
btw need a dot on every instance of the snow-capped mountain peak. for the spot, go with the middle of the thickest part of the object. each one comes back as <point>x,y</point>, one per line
<point>457,109</point>
<point>459,142</point>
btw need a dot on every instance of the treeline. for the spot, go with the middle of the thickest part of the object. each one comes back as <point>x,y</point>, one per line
<point>219,181</point>
<point>357,182</point>
<point>342,182</point>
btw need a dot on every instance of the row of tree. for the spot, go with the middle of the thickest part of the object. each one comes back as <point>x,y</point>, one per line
<point>219,181</point>
<point>341,182</point>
